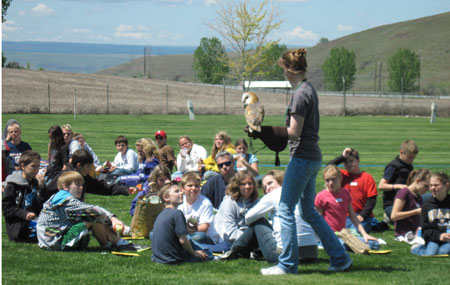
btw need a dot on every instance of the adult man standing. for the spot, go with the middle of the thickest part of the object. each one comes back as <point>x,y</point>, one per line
<point>214,188</point>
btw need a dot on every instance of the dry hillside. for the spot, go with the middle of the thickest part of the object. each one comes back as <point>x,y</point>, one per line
<point>27,91</point>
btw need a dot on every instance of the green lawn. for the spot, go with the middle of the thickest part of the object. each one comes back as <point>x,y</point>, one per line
<point>377,139</point>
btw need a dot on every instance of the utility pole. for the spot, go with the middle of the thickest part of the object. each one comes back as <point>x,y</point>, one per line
<point>144,61</point>
<point>375,76</point>
<point>379,78</point>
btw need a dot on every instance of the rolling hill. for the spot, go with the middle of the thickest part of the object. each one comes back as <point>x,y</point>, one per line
<point>429,37</point>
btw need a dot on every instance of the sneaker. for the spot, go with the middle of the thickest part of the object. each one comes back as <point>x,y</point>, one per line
<point>231,254</point>
<point>127,247</point>
<point>344,267</point>
<point>274,270</point>
<point>409,236</point>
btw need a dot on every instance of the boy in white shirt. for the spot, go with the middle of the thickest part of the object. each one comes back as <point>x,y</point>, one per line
<point>197,209</point>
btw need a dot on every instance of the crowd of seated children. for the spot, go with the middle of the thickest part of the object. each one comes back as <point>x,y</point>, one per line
<point>435,218</point>
<point>65,220</point>
<point>396,174</point>
<point>408,202</point>
<point>361,186</point>
<point>170,243</point>
<point>188,157</point>
<point>156,180</point>
<point>335,203</point>
<point>166,153</point>
<point>208,167</point>
<point>148,159</point>
<point>196,208</point>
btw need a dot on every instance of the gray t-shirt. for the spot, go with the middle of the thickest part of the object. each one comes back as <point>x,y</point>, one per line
<point>305,103</point>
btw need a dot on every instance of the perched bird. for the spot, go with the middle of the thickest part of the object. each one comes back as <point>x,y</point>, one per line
<point>253,111</point>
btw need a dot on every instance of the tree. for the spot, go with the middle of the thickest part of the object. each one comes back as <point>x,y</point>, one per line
<point>245,29</point>
<point>211,61</point>
<point>5,6</point>
<point>340,64</point>
<point>404,69</point>
<point>269,69</point>
<point>323,40</point>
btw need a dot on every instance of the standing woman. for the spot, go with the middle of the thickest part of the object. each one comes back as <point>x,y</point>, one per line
<point>301,131</point>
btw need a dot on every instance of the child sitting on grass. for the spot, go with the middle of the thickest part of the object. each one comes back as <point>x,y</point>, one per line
<point>22,199</point>
<point>197,209</point>
<point>170,244</point>
<point>65,221</point>
<point>335,203</point>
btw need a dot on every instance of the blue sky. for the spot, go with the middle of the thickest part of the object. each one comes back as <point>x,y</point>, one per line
<point>181,22</point>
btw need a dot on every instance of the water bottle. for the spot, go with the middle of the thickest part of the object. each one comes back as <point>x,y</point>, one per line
<point>419,232</point>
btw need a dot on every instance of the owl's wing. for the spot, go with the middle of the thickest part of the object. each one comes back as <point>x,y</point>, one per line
<point>254,115</point>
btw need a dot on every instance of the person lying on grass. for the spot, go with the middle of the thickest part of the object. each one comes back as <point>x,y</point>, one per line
<point>335,203</point>
<point>170,244</point>
<point>65,221</point>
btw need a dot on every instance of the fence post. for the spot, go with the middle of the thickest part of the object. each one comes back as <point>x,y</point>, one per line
<point>48,91</point>
<point>224,96</point>
<point>107,97</point>
<point>403,97</point>
<point>75,104</point>
<point>167,95</point>
<point>345,97</point>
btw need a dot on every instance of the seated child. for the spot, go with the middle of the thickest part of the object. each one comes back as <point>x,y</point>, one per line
<point>15,143</point>
<point>126,160</point>
<point>408,203</point>
<point>82,141</point>
<point>157,179</point>
<point>245,160</point>
<point>187,159</point>
<point>435,218</point>
<point>23,199</point>
<point>166,153</point>
<point>65,221</point>
<point>395,175</point>
<point>148,159</point>
<point>170,244</point>
<point>335,203</point>
<point>361,186</point>
<point>241,196</point>
<point>196,208</point>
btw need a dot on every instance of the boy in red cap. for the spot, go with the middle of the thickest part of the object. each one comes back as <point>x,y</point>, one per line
<point>166,152</point>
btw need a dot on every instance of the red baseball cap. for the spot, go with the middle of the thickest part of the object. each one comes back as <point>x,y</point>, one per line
<point>161,133</point>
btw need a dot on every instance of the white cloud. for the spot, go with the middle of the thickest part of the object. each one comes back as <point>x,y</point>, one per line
<point>210,2</point>
<point>128,31</point>
<point>78,34</point>
<point>298,33</point>
<point>10,26</point>
<point>21,13</point>
<point>344,28</point>
<point>293,1</point>
<point>42,10</point>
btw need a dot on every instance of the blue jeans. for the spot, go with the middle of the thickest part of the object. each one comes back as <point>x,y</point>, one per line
<point>367,224</point>
<point>258,234</point>
<point>196,246</point>
<point>299,187</point>
<point>200,237</point>
<point>432,248</point>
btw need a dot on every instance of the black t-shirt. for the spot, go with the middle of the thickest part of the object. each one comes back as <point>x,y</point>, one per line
<point>169,226</point>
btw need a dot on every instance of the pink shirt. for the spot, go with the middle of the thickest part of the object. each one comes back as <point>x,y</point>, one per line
<point>335,207</point>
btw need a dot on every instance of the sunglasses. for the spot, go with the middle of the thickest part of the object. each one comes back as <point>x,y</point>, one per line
<point>220,165</point>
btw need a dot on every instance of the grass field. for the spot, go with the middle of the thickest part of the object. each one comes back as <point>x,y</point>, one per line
<point>377,139</point>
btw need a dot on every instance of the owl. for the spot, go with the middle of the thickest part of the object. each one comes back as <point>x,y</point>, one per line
<point>253,111</point>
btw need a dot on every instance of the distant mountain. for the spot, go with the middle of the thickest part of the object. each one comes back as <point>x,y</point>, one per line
<point>81,57</point>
